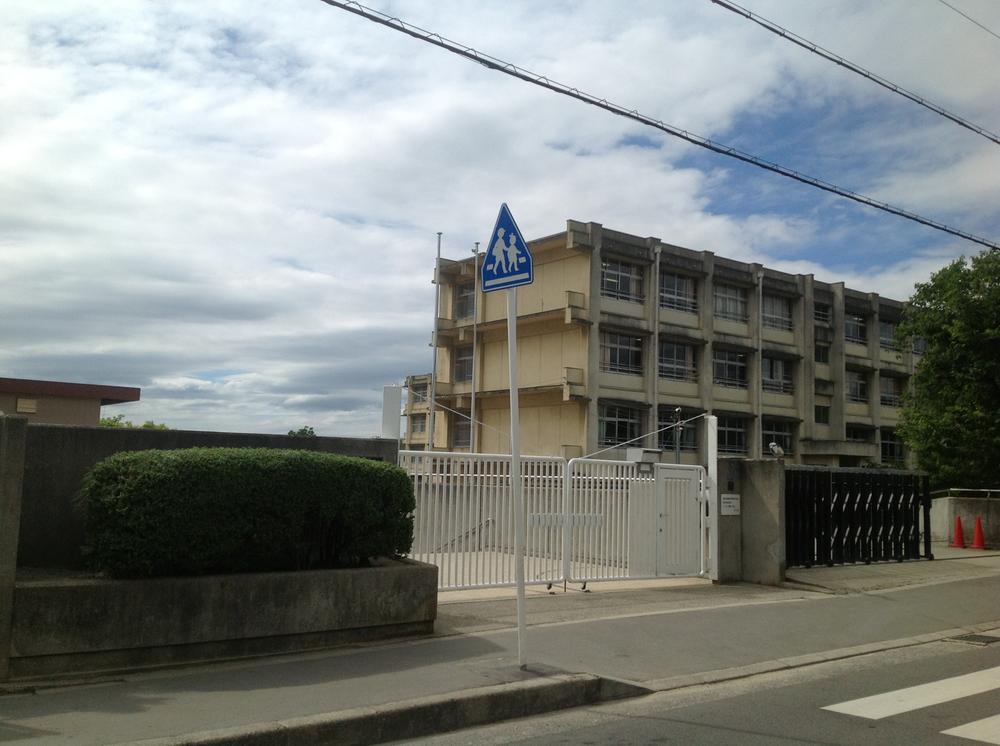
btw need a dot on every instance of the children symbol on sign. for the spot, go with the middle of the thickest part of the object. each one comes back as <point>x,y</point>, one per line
<point>507,255</point>
<point>501,261</point>
<point>514,254</point>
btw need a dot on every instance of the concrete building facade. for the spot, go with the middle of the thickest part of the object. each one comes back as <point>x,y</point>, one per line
<point>621,335</point>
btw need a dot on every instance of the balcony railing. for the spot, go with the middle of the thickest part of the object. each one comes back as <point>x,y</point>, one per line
<point>778,386</point>
<point>678,373</point>
<point>731,383</point>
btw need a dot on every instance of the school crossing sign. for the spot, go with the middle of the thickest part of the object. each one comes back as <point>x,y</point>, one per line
<point>508,262</point>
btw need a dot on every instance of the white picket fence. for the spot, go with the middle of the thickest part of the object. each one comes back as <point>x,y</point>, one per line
<point>588,526</point>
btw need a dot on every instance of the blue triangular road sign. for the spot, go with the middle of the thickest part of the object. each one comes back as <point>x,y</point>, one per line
<point>508,262</point>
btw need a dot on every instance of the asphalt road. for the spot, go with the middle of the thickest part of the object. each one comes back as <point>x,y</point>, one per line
<point>785,707</point>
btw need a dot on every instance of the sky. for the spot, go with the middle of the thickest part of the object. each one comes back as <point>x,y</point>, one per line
<point>234,205</point>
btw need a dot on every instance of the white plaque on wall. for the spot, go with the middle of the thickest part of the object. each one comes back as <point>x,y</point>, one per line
<point>730,504</point>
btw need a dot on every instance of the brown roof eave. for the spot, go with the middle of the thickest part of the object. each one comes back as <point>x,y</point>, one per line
<point>107,394</point>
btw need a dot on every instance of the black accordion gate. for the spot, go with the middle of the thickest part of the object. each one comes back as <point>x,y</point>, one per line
<point>837,516</point>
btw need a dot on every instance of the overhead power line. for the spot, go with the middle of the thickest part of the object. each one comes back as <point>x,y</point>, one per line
<point>847,64</point>
<point>540,80</point>
<point>971,19</point>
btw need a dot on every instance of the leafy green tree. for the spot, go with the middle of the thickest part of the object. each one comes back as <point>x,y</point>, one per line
<point>119,421</point>
<point>303,432</point>
<point>951,414</point>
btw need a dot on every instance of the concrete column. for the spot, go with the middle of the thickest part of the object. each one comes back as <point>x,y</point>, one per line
<point>594,338</point>
<point>13,432</point>
<point>805,396</point>
<point>652,366</point>
<point>875,355</point>
<point>763,514</point>
<point>755,437</point>
<point>706,318</point>
<point>837,416</point>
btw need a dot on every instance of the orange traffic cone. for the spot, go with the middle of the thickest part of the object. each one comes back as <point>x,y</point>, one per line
<point>977,536</point>
<point>958,540</point>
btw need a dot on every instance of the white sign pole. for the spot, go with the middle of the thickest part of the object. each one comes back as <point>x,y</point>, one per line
<point>515,477</point>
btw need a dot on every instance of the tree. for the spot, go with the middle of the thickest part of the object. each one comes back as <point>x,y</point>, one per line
<point>119,421</point>
<point>951,414</point>
<point>303,432</point>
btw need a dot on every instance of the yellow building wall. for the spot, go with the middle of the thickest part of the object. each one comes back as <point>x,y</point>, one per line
<point>547,425</point>
<point>541,357</point>
<point>553,277</point>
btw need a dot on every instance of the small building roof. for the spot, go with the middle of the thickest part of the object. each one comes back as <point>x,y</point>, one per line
<point>107,394</point>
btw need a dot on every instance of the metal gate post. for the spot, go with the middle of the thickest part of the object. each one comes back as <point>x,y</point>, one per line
<point>566,514</point>
<point>709,517</point>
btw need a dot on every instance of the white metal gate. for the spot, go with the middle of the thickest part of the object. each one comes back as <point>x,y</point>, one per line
<point>586,519</point>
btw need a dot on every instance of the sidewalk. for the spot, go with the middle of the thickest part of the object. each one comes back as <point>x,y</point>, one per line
<point>620,639</point>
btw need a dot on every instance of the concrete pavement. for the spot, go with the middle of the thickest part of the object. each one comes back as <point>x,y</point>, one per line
<point>620,639</point>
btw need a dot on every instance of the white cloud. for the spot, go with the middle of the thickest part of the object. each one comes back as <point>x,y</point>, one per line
<point>236,209</point>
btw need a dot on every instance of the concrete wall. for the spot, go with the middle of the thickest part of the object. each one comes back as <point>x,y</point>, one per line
<point>945,509</point>
<point>752,544</point>
<point>57,457</point>
<point>70,626</point>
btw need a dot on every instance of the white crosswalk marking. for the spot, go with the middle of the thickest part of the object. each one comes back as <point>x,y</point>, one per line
<point>986,730</point>
<point>924,695</point>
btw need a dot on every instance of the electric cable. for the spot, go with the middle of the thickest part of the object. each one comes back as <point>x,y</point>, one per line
<point>542,81</point>
<point>970,19</point>
<point>848,65</point>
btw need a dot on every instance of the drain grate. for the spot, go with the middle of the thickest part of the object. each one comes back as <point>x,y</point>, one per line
<point>976,639</point>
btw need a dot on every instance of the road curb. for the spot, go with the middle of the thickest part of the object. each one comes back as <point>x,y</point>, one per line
<point>418,717</point>
<point>809,659</point>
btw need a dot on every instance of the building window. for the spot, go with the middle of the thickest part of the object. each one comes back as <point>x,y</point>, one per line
<point>687,433</point>
<point>893,451</point>
<point>777,431</point>
<point>887,335</point>
<point>622,281</point>
<point>419,392</point>
<point>821,353</point>
<point>621,353</point>
<point>777,312</point>
<point>677,361</point>
<point>729,368</point>
<point>465,300</point>
<point>732,435</point>
<point>27,406</point>
<point>821,414</point>
<point>890,391</point>
<point>823,386</point>
<point>618,424</point>
<point>859,434</point>
<point>461,430</point>
<point>856,328</point>
<point>678,292</point>
<point>919,346</point>
<point>776,375</point>
<point>821,313</point>
<point>463,364</point>
<point>730,302</point>
<point>418,423</point>
<point>857,387</point>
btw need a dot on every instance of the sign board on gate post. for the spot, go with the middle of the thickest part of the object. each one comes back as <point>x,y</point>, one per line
<point>506,266</point>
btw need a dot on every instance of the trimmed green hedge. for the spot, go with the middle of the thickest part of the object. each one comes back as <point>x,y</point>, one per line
<point>221,510</point>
